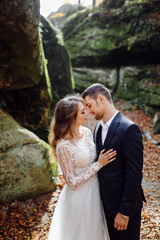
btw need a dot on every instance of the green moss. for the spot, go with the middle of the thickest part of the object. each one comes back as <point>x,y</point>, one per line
<point>37,146</point>
<point>153,99</point>
<point>46,145</point>
<point>59,64</point>
<point>141,86</point>
<point>71,72</point>
<point>54,167</point>
<point>24,62</point>
<point>105,31</point>
<point>44,66</point>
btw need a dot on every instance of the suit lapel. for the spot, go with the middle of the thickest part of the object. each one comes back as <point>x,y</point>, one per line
<point>112,129</point>
<point>97,137</point>
<point>95,132</point>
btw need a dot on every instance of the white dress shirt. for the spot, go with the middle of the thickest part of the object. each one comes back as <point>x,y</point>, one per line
<point>105,126</point>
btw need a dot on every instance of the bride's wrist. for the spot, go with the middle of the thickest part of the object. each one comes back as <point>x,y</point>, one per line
<point>99,164</point>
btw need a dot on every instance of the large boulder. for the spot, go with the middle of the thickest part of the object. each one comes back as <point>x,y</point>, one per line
<point>25,170</point>
<point>30,106</point>
<point>141,85</point>
<point>104,37</point>
<point>20,55</point>
<point>84,77</point>
<point>58,61</point>
<point>25,89</point>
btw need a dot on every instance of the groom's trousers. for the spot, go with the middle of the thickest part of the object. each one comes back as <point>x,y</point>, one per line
<point>132,232</point>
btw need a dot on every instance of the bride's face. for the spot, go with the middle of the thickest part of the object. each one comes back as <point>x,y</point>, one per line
<point>82,114</point>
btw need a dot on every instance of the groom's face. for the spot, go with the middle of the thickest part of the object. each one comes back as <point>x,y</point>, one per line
<point>94,107</point>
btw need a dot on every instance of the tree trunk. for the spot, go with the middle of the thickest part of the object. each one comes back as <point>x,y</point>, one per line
<point>117,81</point>
<point>94,3</point>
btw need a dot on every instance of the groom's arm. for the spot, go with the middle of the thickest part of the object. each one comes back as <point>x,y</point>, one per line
<point>133,157</point>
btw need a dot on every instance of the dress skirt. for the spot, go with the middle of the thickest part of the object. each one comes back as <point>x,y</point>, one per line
<point>79,214</point>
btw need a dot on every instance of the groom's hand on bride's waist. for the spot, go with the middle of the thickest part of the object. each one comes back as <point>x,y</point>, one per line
<point>121,222</point>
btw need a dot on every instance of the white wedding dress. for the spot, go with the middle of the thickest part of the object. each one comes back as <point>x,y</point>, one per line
<point>79,213</point>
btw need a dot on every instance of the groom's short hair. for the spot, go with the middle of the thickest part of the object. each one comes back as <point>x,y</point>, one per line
<point>95,89</point>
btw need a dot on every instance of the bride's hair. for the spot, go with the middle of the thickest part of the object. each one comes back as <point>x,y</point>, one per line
<point>63,120</point>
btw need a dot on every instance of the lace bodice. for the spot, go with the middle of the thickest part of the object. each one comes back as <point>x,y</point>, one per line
<point>77,159</point>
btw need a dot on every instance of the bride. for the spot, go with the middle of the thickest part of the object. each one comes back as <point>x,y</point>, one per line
<point>79,213</point>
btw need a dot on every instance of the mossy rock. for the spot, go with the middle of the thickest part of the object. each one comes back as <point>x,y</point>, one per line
<point>31,106</point>
<point>103,37</point>
<point>58,61</point>
<point>20,55</point>
<point>140,85</point>
<point>84,77</point>
<point>59,18</point>
<point>25,168</point>
<point>110,4</point>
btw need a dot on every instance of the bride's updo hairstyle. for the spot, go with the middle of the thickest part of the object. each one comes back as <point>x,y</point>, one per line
<point>63,120</point>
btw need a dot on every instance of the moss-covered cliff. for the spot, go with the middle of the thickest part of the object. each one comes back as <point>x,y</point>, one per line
<point>25,89</point>
<point>115,37</point>
<point>58,18</point>
<point>28,85</point>
<point>141,85</point>
<point>58,61</point>
<point>20,56</point>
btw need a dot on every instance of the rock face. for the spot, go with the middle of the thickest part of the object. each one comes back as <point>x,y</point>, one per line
<point>21,58</point>
<point>24,165</point>
<point>141,85</point>
<point>59,18</point>
<point>30,106</point>
<point>84,77</point>
<point>106,37</point>
<point>25,89</point>
<point>117,35</point>
<point>26,94</point>
<point>59,66</point>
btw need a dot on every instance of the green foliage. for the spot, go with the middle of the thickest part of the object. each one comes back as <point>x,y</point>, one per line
<point>55,178</point>
<point>54,167</point>
<point>150,110</point>
<point>139,102</point>
<point>127,106</point>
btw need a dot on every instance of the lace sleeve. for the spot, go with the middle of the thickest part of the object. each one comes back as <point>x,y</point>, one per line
<point>66,163</point>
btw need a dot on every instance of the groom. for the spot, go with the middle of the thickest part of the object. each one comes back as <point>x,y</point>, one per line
<point>120,181</point>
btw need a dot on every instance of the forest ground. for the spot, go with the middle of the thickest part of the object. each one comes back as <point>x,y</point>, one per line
<point>30,219</point>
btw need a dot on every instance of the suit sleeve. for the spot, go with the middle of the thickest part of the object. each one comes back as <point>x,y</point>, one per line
<point>133,156</point>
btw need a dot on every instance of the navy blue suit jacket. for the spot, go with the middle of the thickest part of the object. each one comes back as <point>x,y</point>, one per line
<point>120,180</point>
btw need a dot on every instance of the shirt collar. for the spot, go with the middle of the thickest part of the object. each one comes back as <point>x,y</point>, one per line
<point>108,123</point>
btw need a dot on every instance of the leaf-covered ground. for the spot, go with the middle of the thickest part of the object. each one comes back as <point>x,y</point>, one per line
<point>30,219</point>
